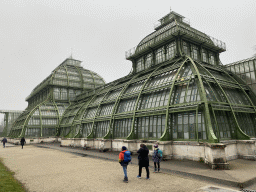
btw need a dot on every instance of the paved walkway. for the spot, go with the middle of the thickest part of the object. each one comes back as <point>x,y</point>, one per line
<point>49,167</point>
<point>241,173</point>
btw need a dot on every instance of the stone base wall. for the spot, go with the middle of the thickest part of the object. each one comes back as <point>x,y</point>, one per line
<point>215,155</point>
<point>240,149</point>
<point>34,140</point>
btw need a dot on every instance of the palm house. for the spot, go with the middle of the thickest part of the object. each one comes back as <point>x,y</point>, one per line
<point>178,95</point>
<point>178,90</point>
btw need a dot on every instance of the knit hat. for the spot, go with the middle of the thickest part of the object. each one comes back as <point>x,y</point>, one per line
<point>123,148</point>
<point>155,145</point>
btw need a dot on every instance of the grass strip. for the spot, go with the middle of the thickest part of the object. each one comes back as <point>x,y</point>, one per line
<point>7,181</point>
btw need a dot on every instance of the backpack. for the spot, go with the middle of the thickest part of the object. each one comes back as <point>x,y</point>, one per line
<point>127,156</point>
<point>159,153</point>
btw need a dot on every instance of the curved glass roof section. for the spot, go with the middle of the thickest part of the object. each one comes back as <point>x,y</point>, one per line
<point>185,98</point>
<point>70,74</point>
<point>41,121</point>
<point>48,101</point>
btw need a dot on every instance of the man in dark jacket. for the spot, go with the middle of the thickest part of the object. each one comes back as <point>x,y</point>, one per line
<point>123,164</point>
<point>143,159</point>
<point>4,141</point>
<point>22,141</point>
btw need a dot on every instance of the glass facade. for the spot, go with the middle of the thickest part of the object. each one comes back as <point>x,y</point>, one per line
<point>177,90</point>
<point>49,100</point>
<point>246,70</point>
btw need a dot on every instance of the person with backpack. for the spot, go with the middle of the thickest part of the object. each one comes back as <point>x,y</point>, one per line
<point>157,157</point>
<point>124,159</point>
<point>4,141</point>
<point>143,160</point>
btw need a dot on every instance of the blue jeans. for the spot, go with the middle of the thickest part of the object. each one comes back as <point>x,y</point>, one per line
<point>125,170</point>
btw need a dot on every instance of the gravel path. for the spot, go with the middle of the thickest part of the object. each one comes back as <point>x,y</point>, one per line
<point>53,170</point>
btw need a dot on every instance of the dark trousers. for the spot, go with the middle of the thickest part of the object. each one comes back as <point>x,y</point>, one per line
<point>4,144</point>
<point>157,164</point>
<point>22,146</point>
<point>140,171</point>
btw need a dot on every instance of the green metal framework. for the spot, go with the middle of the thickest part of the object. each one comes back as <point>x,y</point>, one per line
<point>246,70</point>
<point>49,100</point>
<point>9,118</point>
<point>178,90</point>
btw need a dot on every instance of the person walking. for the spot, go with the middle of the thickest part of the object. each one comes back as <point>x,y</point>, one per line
<point>124,159</point>
<point>143,160</point>
<point>4,141</point>
<point>157,157</point>
<point>22,141</point>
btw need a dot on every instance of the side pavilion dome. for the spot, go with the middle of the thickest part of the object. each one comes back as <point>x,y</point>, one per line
<point>52,96</point>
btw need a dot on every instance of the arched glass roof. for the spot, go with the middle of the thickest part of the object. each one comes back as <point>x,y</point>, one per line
<point>182,100</point>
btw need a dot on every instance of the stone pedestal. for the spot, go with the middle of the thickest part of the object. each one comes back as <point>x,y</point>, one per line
<point>166,148</point>
<point>191,150</point>
<point>89,143</point>
<point>76,142</point>
<point>105,144</point>
<point>66,142</point>
<point>117,144</point>
<point>215,156</point>
<point>131,145</point>
<point>246,149</point>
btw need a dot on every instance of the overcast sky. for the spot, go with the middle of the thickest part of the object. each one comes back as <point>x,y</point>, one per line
<point>36,36</point>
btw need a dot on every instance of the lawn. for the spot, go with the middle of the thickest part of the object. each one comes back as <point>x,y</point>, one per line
<point>7,181</point>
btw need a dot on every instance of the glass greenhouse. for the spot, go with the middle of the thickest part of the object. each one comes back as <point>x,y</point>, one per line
<point>48,101</point>
<point>9,118</point>
<point>177,90</point>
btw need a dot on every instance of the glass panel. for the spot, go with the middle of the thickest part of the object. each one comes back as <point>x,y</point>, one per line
<point>101,128</point>
<point>126,105</point>
<point>148,61</point>
<point>186,48</point>
<point>246,123</point>
<point>139,65</point>
<point>236,96</point>
<point>160,55</point>
<point>106,109</point>
<point>135,87</point>
<point>154,99</point>
<point>90,113</point>
<point>151,127</point>
<point>122,128</point>
<point>171,50</point>
<point>113,94</point>
<point>86,129</point>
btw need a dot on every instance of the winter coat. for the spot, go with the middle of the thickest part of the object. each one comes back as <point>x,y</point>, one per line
<point>155,157</point>
<point>121,158</point>
<point>143,157</point>
<point>4,140</point>
<point>22,141</point>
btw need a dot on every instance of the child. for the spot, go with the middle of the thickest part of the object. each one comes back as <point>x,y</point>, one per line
<point>157,157</point>
<point>123,163</point>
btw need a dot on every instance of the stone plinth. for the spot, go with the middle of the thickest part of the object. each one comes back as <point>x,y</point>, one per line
<point>188,150</point>
<point>215,155</point>
<point>246,149</point>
